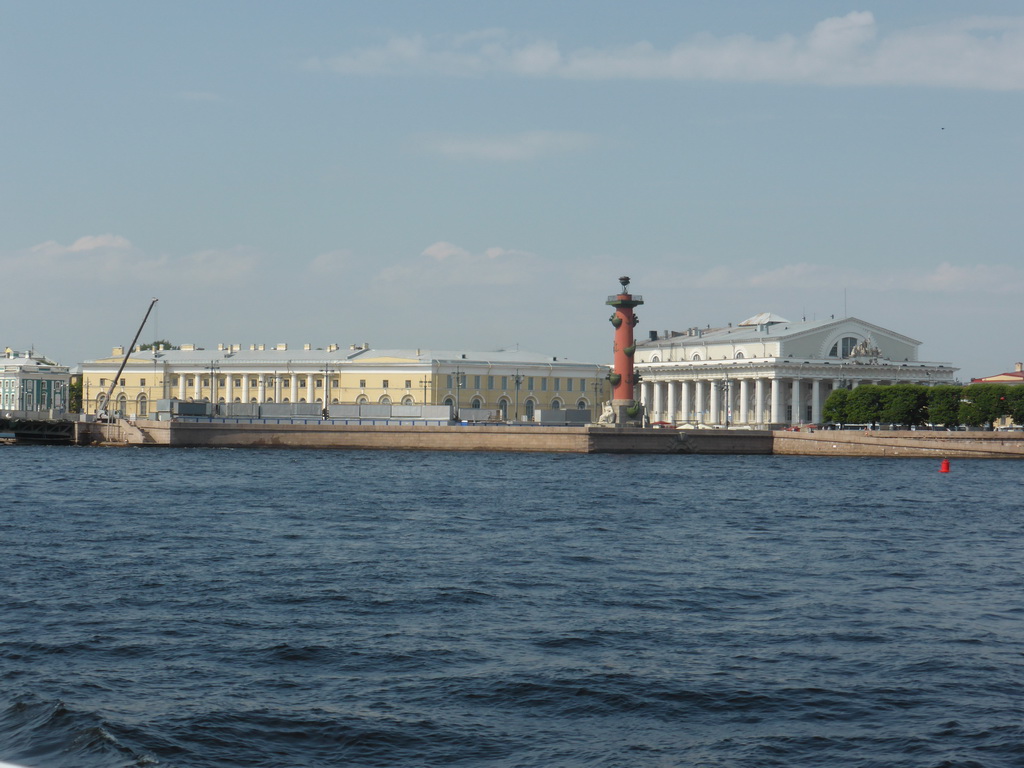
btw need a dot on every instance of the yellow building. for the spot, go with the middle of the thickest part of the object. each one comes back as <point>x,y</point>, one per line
<point>511,384</point>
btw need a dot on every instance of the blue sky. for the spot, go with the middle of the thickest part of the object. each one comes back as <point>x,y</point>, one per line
<point>478,175</point>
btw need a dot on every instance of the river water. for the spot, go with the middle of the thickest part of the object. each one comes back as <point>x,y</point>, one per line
<point>194,608</point>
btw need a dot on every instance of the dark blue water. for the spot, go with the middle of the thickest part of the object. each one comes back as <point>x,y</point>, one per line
<point>322,608</point>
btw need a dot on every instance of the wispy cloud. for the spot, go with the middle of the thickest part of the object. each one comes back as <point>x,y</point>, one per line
<point>443,265</point>
<point>199,96</point>
<point>521,146</point>
<point>977,52</point>
<point>110,260</point>
<point>943,278</point>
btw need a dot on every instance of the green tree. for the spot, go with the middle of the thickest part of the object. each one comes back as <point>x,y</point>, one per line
<point>834,409</point>
<point>982,404</point>
<point>156,345</point>
<point>944,404</point>
<point>864,404</point>
<point>904,404</point>
<point>1015,403</point>
<point>75,395</point>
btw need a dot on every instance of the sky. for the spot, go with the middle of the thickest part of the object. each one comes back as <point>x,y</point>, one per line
<point>466,175</point>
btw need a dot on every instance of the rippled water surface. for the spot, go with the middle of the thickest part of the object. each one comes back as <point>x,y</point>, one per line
<point>331,608</point>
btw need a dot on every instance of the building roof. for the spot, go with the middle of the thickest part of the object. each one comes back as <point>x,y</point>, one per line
<point>769,331</point>
<point>360,354</point>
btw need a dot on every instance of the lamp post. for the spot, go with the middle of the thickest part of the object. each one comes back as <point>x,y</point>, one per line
<point>518,379</point>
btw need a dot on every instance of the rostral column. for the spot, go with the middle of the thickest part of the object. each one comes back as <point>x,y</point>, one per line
<point>623,378</point>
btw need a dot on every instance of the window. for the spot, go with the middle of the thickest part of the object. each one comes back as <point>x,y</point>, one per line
<point>529,382</point>
<point>543,385</point>
<point>237,381</point>
<point>558,384</point>
<point>530,405</point>
<point>285,382</point>
<point>385,383</point>
<point>319,382</point>
<point>408,383</point>
<point>490,382</point>
<point>142,382</point>
<point>190,381</point>
<point>408,400</point>
<point>568,385</point>
<point>206,381</point>
<point>450,384</point>
<point>504,383</point>
<point>123,382</point>
<point>583,385</point>
<point>103,382</point>
<point>362,383</point>
<point>695,356</point>
<point>740,355</point>
<point>335,383</point>
<point>556,404</point>
<point>477,403</point>
<point>476,382</point>
<point>302,382</point>
<point>581,405</point>
<point>253,382</point>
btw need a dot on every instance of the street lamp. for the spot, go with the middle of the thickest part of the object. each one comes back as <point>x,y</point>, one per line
<point>518,379</point>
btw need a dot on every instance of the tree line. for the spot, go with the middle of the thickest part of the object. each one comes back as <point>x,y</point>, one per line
<point>914,405</point>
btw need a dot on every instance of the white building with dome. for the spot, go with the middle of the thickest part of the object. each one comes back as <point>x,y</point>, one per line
<point>768,371</point>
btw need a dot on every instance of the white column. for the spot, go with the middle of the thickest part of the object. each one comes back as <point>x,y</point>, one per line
<point>655,413</point>
<point>197,390</point>
<point>229,387</point>
<point>759,400</point>
<point>776,411</point>
<point>744,401</point>
<point>698,402</point>
<point>277,388</point>
<point>245,387</point>
<point>673,399</point>
<point>181,385</point>
<point>293,395</point>
<point>686,407</point>
<point>310,397</point>
<point>797,400</point>
<point>261,389</point>
<point>816,401</point>
<point>715,408</point>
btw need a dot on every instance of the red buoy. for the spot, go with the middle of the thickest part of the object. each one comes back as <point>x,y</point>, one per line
<point>945,466</point>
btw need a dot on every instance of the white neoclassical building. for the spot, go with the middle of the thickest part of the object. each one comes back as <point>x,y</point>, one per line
<point>768,371</point>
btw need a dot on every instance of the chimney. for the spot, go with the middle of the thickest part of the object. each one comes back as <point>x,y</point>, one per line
<point>1018,367</point>
<point>652,335</point>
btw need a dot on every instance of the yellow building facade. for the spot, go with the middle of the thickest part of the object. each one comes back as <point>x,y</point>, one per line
<point>513,385</point>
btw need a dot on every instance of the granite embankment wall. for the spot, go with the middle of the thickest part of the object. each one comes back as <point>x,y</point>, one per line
<point>557,439</point>
<point>963,445</point>
<point>413,438</point>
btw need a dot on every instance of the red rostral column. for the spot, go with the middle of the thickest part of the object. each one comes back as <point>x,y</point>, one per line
<point>623,378</point>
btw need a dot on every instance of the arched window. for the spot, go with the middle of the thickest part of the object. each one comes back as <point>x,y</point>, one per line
<point>503,408</point>
<point>740,355</point>
<point>385,400</point>
<point>254,401</point>
<point>655,359</point>
<point>408,400</point>
<point>334,401</point>
<point>238,399</point>
<point>529,407</point>
<point>581,405</point>
<point>477,403</point>
<point>696,356</point>
<point>362,400</point>
<point>142,407</point>
<point>556,404</point>
<point>843,347</point>
<point>122,404</point>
